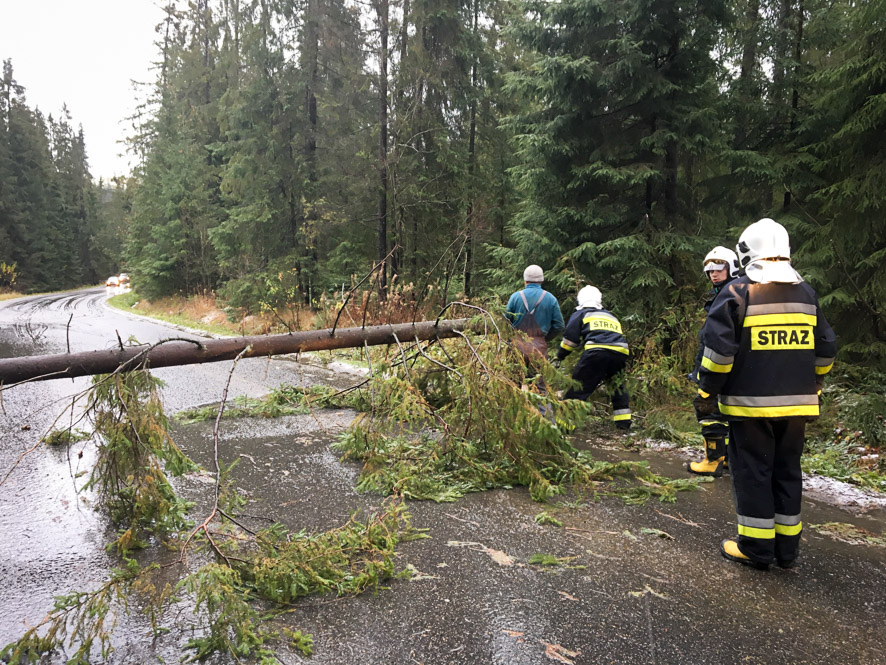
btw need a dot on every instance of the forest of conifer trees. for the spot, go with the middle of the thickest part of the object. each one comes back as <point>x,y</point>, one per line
<point>287,146</point>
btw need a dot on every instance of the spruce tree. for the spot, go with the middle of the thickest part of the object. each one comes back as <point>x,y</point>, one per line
<point>618,101</point>
<point>840,237</point>
<point>176,204</point>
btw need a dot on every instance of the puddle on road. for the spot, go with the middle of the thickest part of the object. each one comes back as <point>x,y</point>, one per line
<point>285,467</point>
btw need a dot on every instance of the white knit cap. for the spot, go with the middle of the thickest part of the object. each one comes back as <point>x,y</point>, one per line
<point>533,273</point>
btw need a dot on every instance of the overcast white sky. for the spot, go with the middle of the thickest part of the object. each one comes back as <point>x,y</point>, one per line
<point>83,53</point>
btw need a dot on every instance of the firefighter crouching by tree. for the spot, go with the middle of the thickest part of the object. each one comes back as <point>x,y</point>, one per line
<point>605,355</point>
<point>767,348</point>
<point>720,266</point>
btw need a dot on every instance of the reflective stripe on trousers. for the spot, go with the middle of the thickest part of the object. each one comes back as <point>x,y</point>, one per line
<point>764,459</point>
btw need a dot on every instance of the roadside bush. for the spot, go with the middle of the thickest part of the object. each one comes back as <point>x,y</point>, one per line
<point>8,275</point>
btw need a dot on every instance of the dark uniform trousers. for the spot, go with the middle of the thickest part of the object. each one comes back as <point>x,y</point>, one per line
<point>596,366</point>
<point>715,431</point>
<point>714,427</point>
<point>764,458</point>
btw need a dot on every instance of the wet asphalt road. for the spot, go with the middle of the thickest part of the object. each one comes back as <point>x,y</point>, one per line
<point>627,597</point>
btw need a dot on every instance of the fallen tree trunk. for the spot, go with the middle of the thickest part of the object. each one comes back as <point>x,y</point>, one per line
<point>182,352</point>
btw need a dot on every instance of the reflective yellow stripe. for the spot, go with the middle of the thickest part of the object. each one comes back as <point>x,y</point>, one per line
<point>788,530</point>
<point>779,319</point>
<point>623,416</point>
<point>602,323</point>
<point>824,370</point>
<point>568,346</point>
<point>770,411</point>
<point>703,393</point>
<point>754,532</point>
<point>609,347</point>
<point>711,366</point>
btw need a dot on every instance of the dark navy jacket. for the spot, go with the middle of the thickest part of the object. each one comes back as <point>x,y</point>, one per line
<point>766,350</point>
<point>593,329</point>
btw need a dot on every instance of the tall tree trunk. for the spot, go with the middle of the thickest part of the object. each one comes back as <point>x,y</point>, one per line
<point>749,46</point>
<point>472,160</point>
<point>671,156</point>
<point>310,56</point>
<point>382,247</point>
<point>206,13</point>
<point>795,94</point>
<point>670,191</point>
<point>398,257</point>
<point>782,53</point>
<point>650,191</point>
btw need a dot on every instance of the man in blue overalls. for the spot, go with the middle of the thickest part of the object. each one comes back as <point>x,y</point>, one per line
<point>536,313</point>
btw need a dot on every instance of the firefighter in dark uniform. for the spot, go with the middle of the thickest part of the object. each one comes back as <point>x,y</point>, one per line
<point>767,348</point>
<point>605,355</point>
<point>720,266</point>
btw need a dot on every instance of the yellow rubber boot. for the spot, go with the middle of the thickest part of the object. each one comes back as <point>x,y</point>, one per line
<point>707,467</point>
<point>729,549</point>
<point>714,461</point>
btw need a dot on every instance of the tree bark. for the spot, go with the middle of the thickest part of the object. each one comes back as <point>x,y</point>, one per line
<point>179,352</point>
<point>310,55</point>
<point>472,160</point>
<point>382,245</point>
<point>795,94</point>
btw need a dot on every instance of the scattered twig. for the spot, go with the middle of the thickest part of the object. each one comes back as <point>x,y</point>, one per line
<point>452,264</point>
<point>42,377</point>
<point>680,519</point>
<point>240,524</point>
<point>204,526</point>
<point>424,289</point>
<point>473,350</point>
<point>18,461</point>
<point>487,318</point>
<point>476,524</point>
<point>273,310</point>
<point>403,355</point>
<point>436,362</point>
<point>358,284</point>
<point>575,528</point>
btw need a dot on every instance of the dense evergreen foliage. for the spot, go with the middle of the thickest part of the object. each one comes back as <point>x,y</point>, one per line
<point>56,230</point>
<point>286,147</point>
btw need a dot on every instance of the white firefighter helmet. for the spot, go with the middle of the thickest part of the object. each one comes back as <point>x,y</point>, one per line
<point>766,239</point>
<point>590,296</point>
<point>721,257</point>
